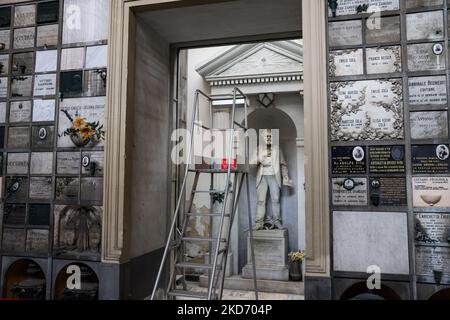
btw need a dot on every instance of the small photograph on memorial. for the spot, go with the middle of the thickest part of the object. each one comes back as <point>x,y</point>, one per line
<point>429,125</point>
<point>40,188</point>
<point>16,189</point>
<point>21,86</point>
<point>46,60</point>
<point>89,284</point>
<point>43,110</point>
<point>68,163</point>
<point>383,60</point>
<point>431,192</point>
<point>425,25</point>
<point>92,163</point>
<point>14,214</point>
<point>47,12</point>
<point>77,230</point>
<point>337,8</point>
<point>345,33</point>
<point>17,163</point>
<point>345,63</point>
<point>426,56</point>
<point>42,137</point>
<point>71,84</point>
<point>430,159</point>
<point>427,91</point>
<point>433,264</point>
<point>5,35</point>
<point>2,112</point>
<point>37,241</point>
<point>23,63</point>
<point>45,85</point>
<point>95,83</point>
<point>92,189</point>
<point>19,111</point>
<point>67,189</point>
<point>72,59</point>
<point>348,160</point>
<point>13,240</point>
<point>5,17</point>
<point>39,215</point>
<point>19,137</point>
<point>41,163</point>
<point>432,228</point>
<point>24,16</point>
<point>24,38</point>
<point>47,36</point>
<point>387,159</point>
<point>389,30</point>
<point>4,64</point>
<point>388,191</point>
<point>349,191</point>
<point>96,57</point>
<point>24,280</point>
<point>3,87</point>
<point>419,4</point>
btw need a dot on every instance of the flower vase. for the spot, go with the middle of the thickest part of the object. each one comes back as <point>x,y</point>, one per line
<point>295,271</point>
<point>78,140</point>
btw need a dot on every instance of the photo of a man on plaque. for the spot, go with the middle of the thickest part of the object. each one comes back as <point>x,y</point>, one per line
<point>272,174</point>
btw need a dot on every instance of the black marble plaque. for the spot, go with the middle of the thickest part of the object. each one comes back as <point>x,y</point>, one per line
<point>19,137</point>
<point>21,86</point>
<point>95,83</point>
<point>387,159</point>
<point>430,159</point>
<point>14,214</point>
<point>47,12</point>
<point>432,228</point>
<point>13,240</point>
<point>40,188</point>
<point>16,189</point>
<point>71,83</point>
<point>67,189</point>
<point>23,63</point>
<point>348,160</point>
<point>388,191</point>
<point>42,136</point>
<point>92,163</point>
<point>37,241</point>
<point>91,189</point>
<point>5,17</point>
<point>39,215</point>
<point>412,4</point>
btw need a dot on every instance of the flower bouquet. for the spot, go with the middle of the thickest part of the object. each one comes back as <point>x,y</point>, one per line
<point>295,265</point>
<point>82,132</point>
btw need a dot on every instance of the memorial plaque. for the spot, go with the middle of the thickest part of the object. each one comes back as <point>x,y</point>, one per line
<point>91,109</point>
<point>432,228</point>
<point>349,191</point>
<point>430,159</point>
<point>16,189</point>
<point>71,83</point>
<point>41,163</point>
<point>387,159</point>
<point>47,36</point>
<point>5,17</point>
<point>348,7</point>
<point>40,188</point>
<point>45,85</point>
<point>24,38</point>
<point>5,36</point>
<point>92,163</point>
<point>412,4</point>
<point>46,60</point>
<point>23,63</point>
<point>426,56</point>
<point>72,58</point>
<point>21,86</point>
<point>13,240</point>
<point>383,60</point>
<point>39,215</point>
<point>433,263</point>
<point>42,136</point>
<point>17,163</point>
<point>345,33</point>
<point>3,87</point>
<point>2,112</point>
<point>20,111</point>
<point>96,57</point>
<point>95,83</point>
<point>429,192</point>
<point>91,189</point>
<point>366,110</point>
<point>429,125</point>
<point>43,110</point>
<point>388,191</point>
<point>68,163</point>
<point>427,90</point>
<point>14,214</point>
<point>4,64</point>
<point>24,16</point>
<point>19,138</point>
<point>346,62</point>
<point>348,160</point>
<point>67,189</point>
<point>48,12</point>
<point>37,240</point>
<point>425,25</point>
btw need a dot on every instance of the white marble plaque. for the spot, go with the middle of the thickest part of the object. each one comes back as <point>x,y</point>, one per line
<point>429,125</point>
<point>4,40</point>
<point>47,36</point>
<point>427,90</point>
<point>43,110</point>
<point>72,58</point>
<point>410,4</point>
<point>17,163</point>
<point>345,33</point>
<point>96,57</point>
<point>343,195</point>
<point>40,188</point>
<point>347,7</point>
<point>431,192</point>
<point>3,87</point>
<point>422,57</point>
<point>24,15</point>
<point>41,163</point>
<point>425,25</point>
<point>2,112</point>
<point>4,64</point>
<point>430,260</point>
<point>24,38</point>
<point>68,163</point>
<point>45,85</point>
<point>20,111</point>
<point>383,60</point>
<point>366,110</point>
<point>432,228</point>
<point>346,62</point>
<point>46,61</point>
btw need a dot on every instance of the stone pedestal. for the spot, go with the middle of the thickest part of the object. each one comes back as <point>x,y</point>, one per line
<point>271,248</point>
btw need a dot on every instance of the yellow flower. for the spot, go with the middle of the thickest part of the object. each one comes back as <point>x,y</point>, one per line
<point>79,123</point>
<point>297,255</point>
<point>87,132</point>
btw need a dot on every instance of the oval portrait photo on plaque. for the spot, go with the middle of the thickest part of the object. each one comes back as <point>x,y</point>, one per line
<point>42,133</point>
<point>358,154</point>
<point>442,152</point>
<point>85,161</point>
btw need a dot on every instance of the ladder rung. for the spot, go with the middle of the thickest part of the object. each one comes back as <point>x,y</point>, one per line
<point>202,239</point>
<point>195,214</point>
<point>196,265</point>
<point>190,294</point>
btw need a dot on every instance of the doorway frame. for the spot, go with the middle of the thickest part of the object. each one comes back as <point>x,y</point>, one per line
<point>120,104</point>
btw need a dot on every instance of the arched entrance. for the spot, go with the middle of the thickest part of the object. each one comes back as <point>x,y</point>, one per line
<point>25,280</point>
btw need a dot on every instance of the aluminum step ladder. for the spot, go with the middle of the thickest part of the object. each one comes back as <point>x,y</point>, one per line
<point>174,262</point>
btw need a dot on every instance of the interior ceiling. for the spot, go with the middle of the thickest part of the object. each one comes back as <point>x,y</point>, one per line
<point>226,20</point>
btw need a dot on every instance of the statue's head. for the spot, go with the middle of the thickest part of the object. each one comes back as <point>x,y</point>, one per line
<point>266,134</point>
